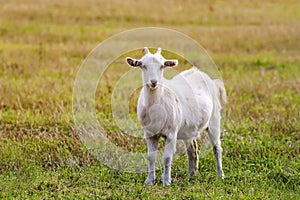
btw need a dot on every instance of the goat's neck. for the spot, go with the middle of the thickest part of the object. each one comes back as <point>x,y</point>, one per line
<point>153,96</point>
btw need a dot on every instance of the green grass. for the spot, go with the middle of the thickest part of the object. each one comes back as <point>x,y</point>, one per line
<point>42,45</point>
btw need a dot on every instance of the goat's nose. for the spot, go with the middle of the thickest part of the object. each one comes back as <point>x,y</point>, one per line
<point>153,82</point>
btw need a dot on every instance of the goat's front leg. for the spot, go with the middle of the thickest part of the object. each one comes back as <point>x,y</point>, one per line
<point>170,148</point>
<point>152,144</point>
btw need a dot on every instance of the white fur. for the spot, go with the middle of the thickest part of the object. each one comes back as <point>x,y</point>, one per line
<point>180,108</point>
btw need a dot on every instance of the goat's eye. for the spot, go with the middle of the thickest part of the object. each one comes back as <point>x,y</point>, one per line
<point>162,66</point>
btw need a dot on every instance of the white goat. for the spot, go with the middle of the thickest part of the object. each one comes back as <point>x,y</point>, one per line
<point>180,108</point>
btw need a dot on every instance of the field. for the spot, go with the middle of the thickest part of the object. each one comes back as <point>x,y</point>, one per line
<point>42,46</point>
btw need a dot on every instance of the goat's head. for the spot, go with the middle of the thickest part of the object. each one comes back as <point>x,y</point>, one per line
<point>152,66</point>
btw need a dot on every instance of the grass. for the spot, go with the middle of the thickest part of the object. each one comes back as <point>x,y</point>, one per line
<point>42,45</point>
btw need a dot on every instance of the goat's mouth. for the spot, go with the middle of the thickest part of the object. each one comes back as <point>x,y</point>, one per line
<point>152,86</point>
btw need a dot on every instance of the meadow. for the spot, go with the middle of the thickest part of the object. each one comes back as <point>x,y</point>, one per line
<point>42,46</point>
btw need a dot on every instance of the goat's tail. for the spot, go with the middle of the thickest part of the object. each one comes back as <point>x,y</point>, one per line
<point>221,91</point>
<point>221,98</point>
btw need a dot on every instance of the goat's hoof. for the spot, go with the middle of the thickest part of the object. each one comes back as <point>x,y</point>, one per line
<point>166,182</point>
<point>192,173</point>
<point>221,175</point>
<point>149,181</point>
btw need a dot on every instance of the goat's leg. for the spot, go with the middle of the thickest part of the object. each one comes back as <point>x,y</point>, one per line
<point>191,149</point>
<point>214,136</point>
<point>170,148</point>
<point>152,144</point>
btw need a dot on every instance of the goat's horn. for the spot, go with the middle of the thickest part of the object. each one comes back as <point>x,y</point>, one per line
<point>158,50</point>
<point>146,50</point>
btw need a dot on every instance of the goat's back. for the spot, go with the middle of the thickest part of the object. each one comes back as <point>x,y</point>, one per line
<point>199,98</point>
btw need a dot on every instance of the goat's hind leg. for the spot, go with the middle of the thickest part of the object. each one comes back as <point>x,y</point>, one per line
<point>152,144</point>
<point>191,149</point>
<point>214,136</point>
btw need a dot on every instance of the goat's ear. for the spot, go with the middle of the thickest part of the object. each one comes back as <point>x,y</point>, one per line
<point>171,63</point>
<point>133,62</point>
